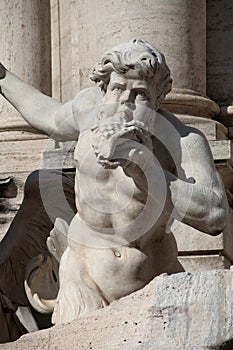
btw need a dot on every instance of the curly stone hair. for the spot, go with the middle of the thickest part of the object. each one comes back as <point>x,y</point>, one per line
<point>139,55</point>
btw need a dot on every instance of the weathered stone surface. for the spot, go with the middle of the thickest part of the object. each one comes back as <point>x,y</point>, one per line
<point>190,239</point>
<point>179,312</point>
<point>148,20</point>
<point>211,129</point>
<point>203,262</point>
<point>25,47</point>
<point>24,155</point>
<point>58,158</point>
<point>219,52</point>
<point>200,252</point>
<point>151,21</point>
<point>221,149</point>
<point>62,80</point>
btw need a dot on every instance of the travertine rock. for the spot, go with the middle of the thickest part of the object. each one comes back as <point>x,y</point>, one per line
<point>25,48</point>
<point>219,52</point>
<point>179,312</point>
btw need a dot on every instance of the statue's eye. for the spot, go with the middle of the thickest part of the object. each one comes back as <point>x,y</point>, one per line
<point>117,89</point>
<point>142,95</point>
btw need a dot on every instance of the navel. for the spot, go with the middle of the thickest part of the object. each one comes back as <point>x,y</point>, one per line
<point>117,253</point>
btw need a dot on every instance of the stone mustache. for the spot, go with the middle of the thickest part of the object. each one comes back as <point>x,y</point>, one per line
<point>138,168</point>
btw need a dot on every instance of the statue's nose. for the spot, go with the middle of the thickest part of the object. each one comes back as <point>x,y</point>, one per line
<point>127,99</point>
<point>126,96</point>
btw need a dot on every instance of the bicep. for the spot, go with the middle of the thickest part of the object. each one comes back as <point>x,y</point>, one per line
<point>66,126</point>
<point>198,162</point>
<point>77,115</point>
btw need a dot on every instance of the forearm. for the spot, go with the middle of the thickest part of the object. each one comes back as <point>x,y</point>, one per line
<point>198,205</point>
<point>37,109</point>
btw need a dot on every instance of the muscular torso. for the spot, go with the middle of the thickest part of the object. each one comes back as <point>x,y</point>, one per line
<point>108,199</point>
<point>110,202</point>
<point>104,197</point>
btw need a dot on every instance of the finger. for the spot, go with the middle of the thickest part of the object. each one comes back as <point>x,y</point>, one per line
<point>132,130</point>
<point>137,123</point>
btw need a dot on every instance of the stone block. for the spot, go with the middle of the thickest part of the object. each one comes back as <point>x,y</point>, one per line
<point>185,311</point>
<point>221,149</point>
<point>199,251</point>
<point>24,155</point>
<point>189,239</point>
<point>212,129</point>
<point>58,159</point>
<point>24,133</point>
<point>192,263</point>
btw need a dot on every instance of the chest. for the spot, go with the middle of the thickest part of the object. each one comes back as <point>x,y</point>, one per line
<point>92,176</point>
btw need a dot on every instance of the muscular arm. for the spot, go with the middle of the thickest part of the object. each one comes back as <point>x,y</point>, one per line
<point>196,198</point>
<point>58,121</point>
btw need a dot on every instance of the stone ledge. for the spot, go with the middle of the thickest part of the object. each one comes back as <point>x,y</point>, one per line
<point>185,311</point>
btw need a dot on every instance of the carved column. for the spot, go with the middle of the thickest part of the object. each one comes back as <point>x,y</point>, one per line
<point>184,43</point>
<point>177,28</point>
<point>220,87</point>
<point>25,47</point>
<point>220,54</point>
<point>62,81</point>
<point>25,50</point>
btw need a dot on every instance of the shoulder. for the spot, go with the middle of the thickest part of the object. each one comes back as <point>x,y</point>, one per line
<point>87,98</point>
<point>182,139</point>
<point>85,107</point>
<point>182,128</point>
<point>186,133</point>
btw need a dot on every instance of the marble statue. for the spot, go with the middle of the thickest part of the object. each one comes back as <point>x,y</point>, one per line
<point>138,167</point>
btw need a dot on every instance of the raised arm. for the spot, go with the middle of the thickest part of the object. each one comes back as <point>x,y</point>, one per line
<point>58,121</point>
<point>199,201</point>
<point>196,194</point>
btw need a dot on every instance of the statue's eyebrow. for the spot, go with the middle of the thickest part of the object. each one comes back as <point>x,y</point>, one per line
<point>117,84</point>
<point>140,89</point>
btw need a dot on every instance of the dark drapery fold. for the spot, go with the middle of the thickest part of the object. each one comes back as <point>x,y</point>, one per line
<point>48,194</point>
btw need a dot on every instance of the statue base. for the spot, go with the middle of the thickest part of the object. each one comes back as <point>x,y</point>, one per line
<point>179,312</point>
